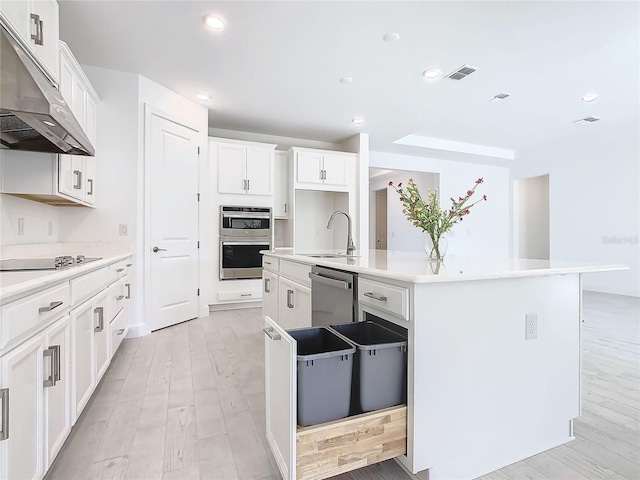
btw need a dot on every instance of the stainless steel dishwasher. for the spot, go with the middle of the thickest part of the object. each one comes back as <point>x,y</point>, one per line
<point>333,296</point>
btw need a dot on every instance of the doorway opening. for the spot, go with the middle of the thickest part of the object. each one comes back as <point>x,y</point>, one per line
<point>531,217</point>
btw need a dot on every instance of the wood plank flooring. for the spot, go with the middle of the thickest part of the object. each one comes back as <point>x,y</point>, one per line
<point>187,402</point>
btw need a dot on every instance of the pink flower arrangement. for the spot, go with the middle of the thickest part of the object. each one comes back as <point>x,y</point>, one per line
<point>428,215</point>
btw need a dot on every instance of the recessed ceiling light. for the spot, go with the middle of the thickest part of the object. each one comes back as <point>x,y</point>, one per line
<point>214,22</point>
<point>391,37</point>
<point>431,73</point>
<point>346,80</point>
<point>51,124</point>
<point>590,97</point>
<point>358,120</point>
<point>203,96</point>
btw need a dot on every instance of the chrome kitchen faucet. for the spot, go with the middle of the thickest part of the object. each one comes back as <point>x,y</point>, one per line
<point>350,246</point>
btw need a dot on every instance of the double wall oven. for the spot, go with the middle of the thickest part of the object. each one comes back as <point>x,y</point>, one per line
<point>244,231</point>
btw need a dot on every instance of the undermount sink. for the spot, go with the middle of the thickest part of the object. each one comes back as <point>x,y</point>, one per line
<point>327,255</point>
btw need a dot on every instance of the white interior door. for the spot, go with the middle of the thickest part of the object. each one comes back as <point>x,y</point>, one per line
<point>172,243</point>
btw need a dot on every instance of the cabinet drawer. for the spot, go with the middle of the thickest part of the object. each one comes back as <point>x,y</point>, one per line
<point>118,269</point>
<point>384,296</point>
<point>118,329</point>
<point>237,296</point>
<point>117,297</point>
<point>296,271</point>
<point>27,313</point>
<point>343,445</point>
<point>85,286</point>
<point>270,263</point>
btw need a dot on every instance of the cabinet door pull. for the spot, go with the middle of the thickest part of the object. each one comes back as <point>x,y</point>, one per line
<point>56,372</point>
<point>248,185</point>
<point>129,265</point>
<point>100,312</point>
<point>78,183</point>
<point>380,298</point>
<point>128,285</point>
<point>285,208</point>
<point>120,331</point>
<point>270,334</point>
<point>51,306</point>
<point>51,380</point>
<point>119,297</point>
<point>4,428</point>
<point>37,37</point>
<point>244,184</point>
<point>289,298</point>
<point>90,192</point>
<point>120,270</point>
<point>267,281</point>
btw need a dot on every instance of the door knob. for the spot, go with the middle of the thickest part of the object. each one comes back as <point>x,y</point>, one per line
<point>156,249</point>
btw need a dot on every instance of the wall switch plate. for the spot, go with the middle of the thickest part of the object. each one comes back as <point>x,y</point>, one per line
<point>531,326</point>
<point>21,226</point>
<point>124,229</point>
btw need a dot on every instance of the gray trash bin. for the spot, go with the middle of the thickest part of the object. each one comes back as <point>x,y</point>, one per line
<point>325,364</point>
<point>380,365</point>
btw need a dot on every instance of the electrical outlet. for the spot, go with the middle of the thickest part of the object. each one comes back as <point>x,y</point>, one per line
<point>124,229</point>
<point>531,326</point>
<point>21,226</point>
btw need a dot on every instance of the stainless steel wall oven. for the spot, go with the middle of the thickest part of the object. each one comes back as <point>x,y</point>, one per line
<point>244,231</point>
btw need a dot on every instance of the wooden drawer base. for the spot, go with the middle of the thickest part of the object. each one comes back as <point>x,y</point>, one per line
<point>343,445</point>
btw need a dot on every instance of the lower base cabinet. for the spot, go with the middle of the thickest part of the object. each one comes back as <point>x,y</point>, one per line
<point>321,451</point>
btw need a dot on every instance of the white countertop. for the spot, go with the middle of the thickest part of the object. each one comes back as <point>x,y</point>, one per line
<point>414,267</point>
<point>14,285</point>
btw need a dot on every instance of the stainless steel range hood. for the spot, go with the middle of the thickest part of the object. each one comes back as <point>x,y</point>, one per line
<point>33,114</point>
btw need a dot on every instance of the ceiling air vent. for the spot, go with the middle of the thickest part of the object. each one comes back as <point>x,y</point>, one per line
<point>462,72</point>
<point>587,120</point>
<point>499,96</point>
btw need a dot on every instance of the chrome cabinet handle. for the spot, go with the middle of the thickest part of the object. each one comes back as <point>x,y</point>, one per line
<point>100,312</point>
<point>128,285</point>
<point>248,185</point>
<point>156,249</point>
<point>267,282</point>
<point>56,375</point>
<point>4,418</point>
<point>37,37</point>
<point>78,184</point>
<point>244,184</point>
<point>270,334</point>
<point>51,353</point>
<point>90,192</point>
<point>129,265</point>
<point>380,298</point>
<point>120,270</point>
<point>51,306</point>
<point>119,297</point>
<point>285,208</point>
<point>332,282</point>
<point>289,298</point>
<point>120,332</point>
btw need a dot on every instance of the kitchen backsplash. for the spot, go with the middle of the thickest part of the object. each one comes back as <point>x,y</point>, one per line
<point>25,221</point>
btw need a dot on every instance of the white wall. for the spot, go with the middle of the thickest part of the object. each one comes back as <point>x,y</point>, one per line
<point>401,234</point>
<point>37,217</point>
<point>594,185</point>
<point>531,222</point>
<point>312,212</point>
<point>486,231</point>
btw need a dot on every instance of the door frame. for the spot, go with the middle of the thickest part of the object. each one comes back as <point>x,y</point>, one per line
<point>144,243</point>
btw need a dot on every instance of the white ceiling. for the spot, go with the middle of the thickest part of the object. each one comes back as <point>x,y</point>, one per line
<point>275,69</point>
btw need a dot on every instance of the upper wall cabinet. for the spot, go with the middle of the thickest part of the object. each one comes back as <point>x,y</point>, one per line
<point>323,169</point>
<point>244,168</point>
<point>35,25</point>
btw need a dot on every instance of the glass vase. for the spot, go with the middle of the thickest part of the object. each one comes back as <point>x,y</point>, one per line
<point>437,249</point>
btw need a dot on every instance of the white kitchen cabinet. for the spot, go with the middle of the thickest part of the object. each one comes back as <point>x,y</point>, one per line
<point>57,397</point>
<point>270,286</point>
<point>35,24</point>
<point>280,395</point>
<point>281,194</point>
<point>83,362</point>
<point>323,170</point>
<point>244,168</point>
<point>21,452</point>
<point>294,304</point>
<point>101,319</point>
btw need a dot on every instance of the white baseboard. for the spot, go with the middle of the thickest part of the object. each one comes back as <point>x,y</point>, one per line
<point>138,331</point>
<point>234,306</point>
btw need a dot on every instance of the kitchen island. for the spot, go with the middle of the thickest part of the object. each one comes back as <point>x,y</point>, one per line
<point>493,365</point>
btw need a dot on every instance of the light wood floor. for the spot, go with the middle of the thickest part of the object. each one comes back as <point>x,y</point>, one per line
<point>187,402</point>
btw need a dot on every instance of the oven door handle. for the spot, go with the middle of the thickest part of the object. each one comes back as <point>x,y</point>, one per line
<point>266,242</point>
<point>332,282</point>
<point>249,216</point>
